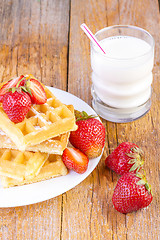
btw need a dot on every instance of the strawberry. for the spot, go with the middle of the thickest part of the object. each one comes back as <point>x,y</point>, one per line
<point>30,85</point>
<point>10,84</point>
<point>74,159</point>
<point>90,135</point>
<point>126,157</point>
<point>36,91</point>
<point>16,104</point>
<point>131,193</point>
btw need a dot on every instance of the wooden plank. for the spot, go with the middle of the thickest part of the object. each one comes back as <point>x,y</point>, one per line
<point>144,131</point>
<point>92,215</point>
<point>79,60</point>
<point>34,39</point>
<point>86,216</point>
<point>8,49</point>
<point>37,221</point>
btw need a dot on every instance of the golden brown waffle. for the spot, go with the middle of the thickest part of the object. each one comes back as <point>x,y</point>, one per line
<point>42,122</point>
<point>53,167</point>
<point>54,145</point>
<point>21,165</point>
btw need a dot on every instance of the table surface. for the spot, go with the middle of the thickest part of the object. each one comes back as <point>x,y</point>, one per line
<point>44,38</point>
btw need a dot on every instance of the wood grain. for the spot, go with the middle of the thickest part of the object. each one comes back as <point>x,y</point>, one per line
<point>144,14</point>
<point>101,220</point>
<point>34,39</point>
<point>44,38</point>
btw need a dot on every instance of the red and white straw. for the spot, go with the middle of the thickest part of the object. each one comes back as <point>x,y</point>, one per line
<point>91,36</point>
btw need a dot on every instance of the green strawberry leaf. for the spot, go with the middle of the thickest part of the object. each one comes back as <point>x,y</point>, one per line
<point>134,167</point>
<point>24,89</point>
<point>144,182</point>
<point>13,89</point>
<point>19,82</point>
<point>139,175</point>
<point>137,158</point>
<point>132,161</point>
<point>83,115</point>
<point>141,182</point>
<point>29,90</point>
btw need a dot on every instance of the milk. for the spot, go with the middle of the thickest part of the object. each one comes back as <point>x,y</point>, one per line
<point>122,77</point>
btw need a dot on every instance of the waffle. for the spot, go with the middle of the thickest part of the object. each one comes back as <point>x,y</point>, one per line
<point>42,122</point>
<point>53,167</point>
<point>20,165</point>
<point>54,145</point>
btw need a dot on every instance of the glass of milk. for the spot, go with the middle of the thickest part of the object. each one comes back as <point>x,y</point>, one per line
<point>122,78</point>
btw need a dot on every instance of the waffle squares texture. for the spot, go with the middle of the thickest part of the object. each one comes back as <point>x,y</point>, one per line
<point>54,145</point>
<point>18,168</point>
<point>42,122</point>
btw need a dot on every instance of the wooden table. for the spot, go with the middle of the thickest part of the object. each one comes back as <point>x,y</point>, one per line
<point>44,38</point>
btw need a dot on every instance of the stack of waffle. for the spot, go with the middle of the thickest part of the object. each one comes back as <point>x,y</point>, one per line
<point>31,151</point>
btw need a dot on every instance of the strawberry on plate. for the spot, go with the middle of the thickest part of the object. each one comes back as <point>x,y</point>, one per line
<point>30,85</point>
<point>74,159</point>
<point>90,135</point>
<point>16,104</point>
<point>10,84</point>
<point>131,193</point>
<point>36,91</point>
<point>126,157</point>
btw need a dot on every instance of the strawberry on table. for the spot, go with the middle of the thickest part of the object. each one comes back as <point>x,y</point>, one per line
<point>131,193</point>
<point>74,159</point>
<point>90,135</point>
<point>10,84</point>
<point>16,104</point>
<point>126,157</point>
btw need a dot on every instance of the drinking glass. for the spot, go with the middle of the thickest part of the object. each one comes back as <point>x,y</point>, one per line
<point>122,78</point>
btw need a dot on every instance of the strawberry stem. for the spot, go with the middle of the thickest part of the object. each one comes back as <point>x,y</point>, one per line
<point>28,87</point>
<point>143,181</point>
<point>19,82</point>
<point>83,115</point>
<point>136,158</point>
<point>24,88</point>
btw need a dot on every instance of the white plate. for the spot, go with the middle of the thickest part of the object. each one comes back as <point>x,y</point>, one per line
<point>44,190</point>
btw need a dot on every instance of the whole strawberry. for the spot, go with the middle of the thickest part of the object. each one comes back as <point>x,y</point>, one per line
<point>90,135</point>
<point>131,193</point>
<point>16,104</point>
<point>126,157</point>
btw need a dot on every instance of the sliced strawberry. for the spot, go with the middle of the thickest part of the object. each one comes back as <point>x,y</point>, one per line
<point>1,98</point>
<point>36,91</point>
<point>22,81</point>
<point>10,84</point>
<point>74,159</point>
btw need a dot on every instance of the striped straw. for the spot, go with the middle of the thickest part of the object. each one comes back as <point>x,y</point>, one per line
<point>91,36</point>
